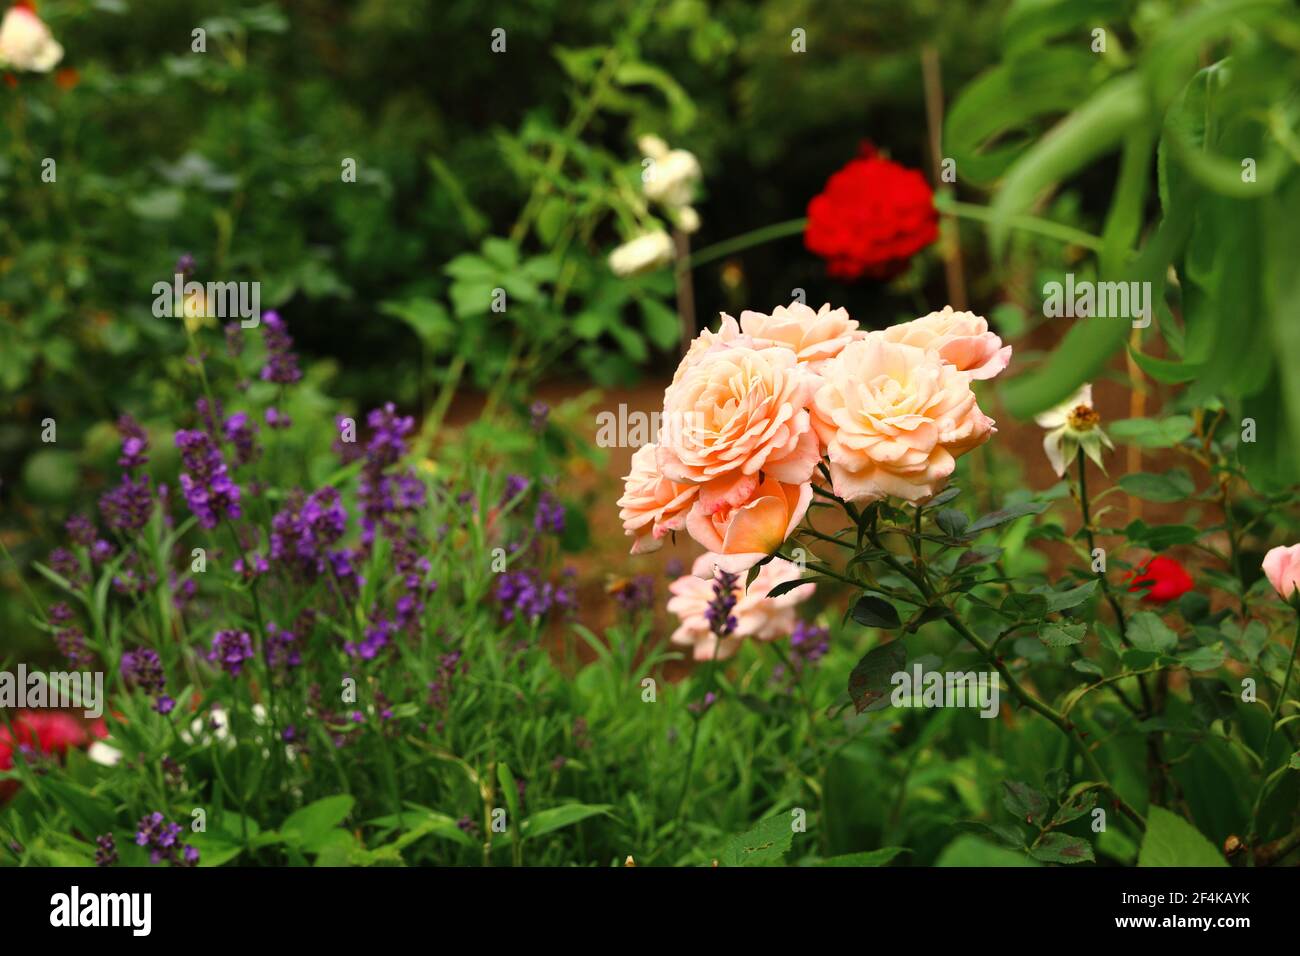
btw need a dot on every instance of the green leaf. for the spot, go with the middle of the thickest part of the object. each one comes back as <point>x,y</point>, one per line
<point>1024,802</point>
<point>765,845</point>
<point>870,680</point>
<point>660,323</point>
<point>1071,597</point>
<point>1061,635</point>
<point>785,587</point>
<point>557,818</point>
<point>1149,633</point>
<point>952,522</point>
<point>872,611</point>
<point>1026,606</point>
<point>1173,485</point>
<point>1172,841</point>
<point>971,851</point>
<point>1009,513</point>
<point>1203,658</point>
<point>1151,433</point>
<point>1061,848</point>
<point>307,827</point>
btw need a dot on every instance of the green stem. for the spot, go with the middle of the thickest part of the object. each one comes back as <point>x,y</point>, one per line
<point>1034,224</point>
<point>746,240</point>
<point>1268,739</point>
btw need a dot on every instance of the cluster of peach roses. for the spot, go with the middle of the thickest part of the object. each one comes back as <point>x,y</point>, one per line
<point>755,407</point>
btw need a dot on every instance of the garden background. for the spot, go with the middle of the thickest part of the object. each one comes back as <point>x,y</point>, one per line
<point>386,170</point>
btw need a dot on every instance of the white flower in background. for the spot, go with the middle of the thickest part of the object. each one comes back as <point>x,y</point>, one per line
<point>1072,425</point>
<point>672,175</point>
<point>103,754</point>
<point>688,220</point>
<point>642,254</point>
<point>26,42</point>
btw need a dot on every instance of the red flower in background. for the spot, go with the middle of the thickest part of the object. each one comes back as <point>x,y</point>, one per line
<point>48,732</point>
<point>871,218</point>
<point>1163,579</point>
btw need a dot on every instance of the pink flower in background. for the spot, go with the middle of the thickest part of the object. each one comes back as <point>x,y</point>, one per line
<point>1282,568</point>
<point>734,413</point>
<point>757,615</point>
<point>812,336</point>
<point>652,506</point>
<point>962,339</point>
<point>740,536</point>
<point>894,419</point>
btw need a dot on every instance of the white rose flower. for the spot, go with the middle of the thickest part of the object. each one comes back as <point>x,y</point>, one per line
<point>26,42</point>
<point>644,253</point>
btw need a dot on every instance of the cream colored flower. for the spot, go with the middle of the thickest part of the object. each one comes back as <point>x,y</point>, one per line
<point>671,175</point>
<point>645,253</point>
<point>1072,425</point>
<point>814,337</point>
<point>894,419</point>
<point>733,413</point>
<point>962,338</point>
<point>26,42</point>
<point>756,615</point>
<point>652,506</point>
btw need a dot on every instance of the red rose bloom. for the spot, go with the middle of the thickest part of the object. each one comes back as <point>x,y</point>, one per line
<point>1163,579</point>
<point>871,218</point>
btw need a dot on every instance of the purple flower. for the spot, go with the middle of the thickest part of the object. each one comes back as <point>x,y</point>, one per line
<point>378,635</point>
<point>80,530</point>
<point>65,564</point>
<point>162,838</point>
<point>234,339</point>
<point>105,850</point>
<point>128,506</point>
<point>135,442</point>
<point>209,490</point>
<point>281,363</point>
<point>254,567</point>
<point>549,518</point>
<point>241,433</point>
<point>808,645</point>
<point>721,621</point>
<point>636,594</point>
<point>142,668</point>
<point>277,419</point>
<point>516,485</point>
<point>304,530</point>
<point>71,642</point>
<point>231,649</point>
<point>281,647</point>
<point>101,551</point>
<point>538,413</point>
<point>185,265</point>
<point>523,594</point>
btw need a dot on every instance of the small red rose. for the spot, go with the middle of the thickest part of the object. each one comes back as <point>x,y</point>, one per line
<point>1163,580</point>
<point>871,218</point>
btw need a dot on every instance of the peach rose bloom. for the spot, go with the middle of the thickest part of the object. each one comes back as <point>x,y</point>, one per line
<point>736,412</point>
<point>894,419</point>
<point>962,338</point>
<point>1282,568</point>
<point>708,342</point>
<point>757,615</point>
<point>738,537</point>
<point>652,506</point>
<point>814,337</point>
